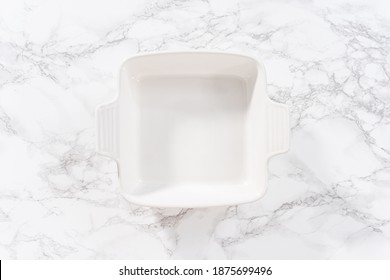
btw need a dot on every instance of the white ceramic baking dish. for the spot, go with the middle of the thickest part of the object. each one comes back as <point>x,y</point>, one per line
<point>192,129</point>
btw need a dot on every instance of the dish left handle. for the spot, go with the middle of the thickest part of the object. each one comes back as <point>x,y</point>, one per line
<point>107,130</point>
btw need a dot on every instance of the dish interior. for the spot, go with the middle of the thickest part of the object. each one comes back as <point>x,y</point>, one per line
<point>193,130</point>
<point>198,123</point>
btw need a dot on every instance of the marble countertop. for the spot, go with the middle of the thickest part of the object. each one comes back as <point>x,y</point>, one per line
<point>328,197</point>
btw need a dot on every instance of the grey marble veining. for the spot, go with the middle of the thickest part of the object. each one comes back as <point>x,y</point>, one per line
<point>328,198</point>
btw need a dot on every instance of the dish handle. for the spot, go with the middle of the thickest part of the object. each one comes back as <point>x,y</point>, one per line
<point>107,130</point>
<point>278,130</point>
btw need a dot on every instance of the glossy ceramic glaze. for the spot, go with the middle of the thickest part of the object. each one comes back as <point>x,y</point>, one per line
<point>192,129</point>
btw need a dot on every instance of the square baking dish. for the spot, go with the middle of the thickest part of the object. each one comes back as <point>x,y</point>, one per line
<point>192,129</point>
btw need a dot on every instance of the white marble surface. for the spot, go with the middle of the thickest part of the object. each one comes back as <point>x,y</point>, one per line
<point>328,198</point>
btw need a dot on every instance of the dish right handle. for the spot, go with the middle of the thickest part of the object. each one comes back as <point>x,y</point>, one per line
<point>278,129</point>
